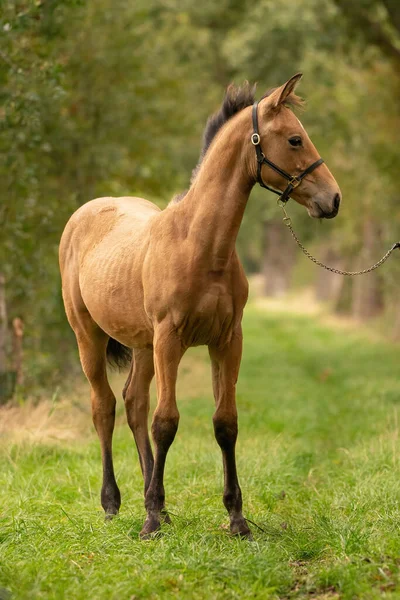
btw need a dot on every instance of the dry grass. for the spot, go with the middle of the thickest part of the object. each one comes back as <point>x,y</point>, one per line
<point>66,416</point>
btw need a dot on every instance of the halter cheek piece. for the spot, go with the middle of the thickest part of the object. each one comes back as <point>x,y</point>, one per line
<point>294,180</point>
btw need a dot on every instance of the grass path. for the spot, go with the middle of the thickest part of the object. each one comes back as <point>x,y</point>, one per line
<point>318,460</point>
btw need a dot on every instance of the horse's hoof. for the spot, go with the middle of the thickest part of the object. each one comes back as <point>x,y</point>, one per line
<point>151,529</point>
<point>109,515</point>
<point>243,535</point>
<point>165,517</point>
<point>241,529</point>
<point>152,535</point>
<point>246,535</point>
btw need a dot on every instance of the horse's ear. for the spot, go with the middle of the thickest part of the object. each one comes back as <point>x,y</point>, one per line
<point>280,94</point>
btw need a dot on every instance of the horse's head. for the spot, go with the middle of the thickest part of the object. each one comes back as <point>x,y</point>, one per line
<point>284,142</point>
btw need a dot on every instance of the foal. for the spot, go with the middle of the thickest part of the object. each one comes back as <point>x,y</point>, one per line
<point>158,282</point>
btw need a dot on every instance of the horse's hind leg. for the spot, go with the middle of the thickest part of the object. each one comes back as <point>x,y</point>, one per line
<point>92,343</point>
<point>137,403</point>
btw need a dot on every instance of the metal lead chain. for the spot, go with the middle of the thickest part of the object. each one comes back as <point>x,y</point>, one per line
<point>288,223</point>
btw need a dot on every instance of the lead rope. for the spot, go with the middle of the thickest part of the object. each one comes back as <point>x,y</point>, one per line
<point>288,222</point>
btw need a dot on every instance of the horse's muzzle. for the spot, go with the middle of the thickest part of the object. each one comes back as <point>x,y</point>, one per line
<point>330,215</point>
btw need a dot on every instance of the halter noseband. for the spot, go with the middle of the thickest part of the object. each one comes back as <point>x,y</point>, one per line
<point>294,180</point>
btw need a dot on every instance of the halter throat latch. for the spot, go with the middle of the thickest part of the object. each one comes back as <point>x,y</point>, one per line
<point>293,180</point>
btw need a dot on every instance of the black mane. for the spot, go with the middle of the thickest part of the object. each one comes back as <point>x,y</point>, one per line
<point>236,99</point>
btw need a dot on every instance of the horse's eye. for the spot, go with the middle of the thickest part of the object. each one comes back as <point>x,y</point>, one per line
<point>295,141</point>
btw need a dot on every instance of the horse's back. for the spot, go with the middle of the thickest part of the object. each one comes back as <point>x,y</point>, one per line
<point>99,218</point>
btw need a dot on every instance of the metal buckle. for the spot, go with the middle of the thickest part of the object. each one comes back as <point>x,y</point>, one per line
<point>255,139</point>
<point>294,182</point>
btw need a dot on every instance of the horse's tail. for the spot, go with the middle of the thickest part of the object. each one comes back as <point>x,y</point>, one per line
<point>118,355</point>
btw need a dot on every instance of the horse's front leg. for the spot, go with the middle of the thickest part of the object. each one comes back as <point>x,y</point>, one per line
<point>167,355</point>
<point>225,367</point>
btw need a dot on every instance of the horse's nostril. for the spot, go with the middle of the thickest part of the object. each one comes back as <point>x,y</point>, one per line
<point>336,202</point>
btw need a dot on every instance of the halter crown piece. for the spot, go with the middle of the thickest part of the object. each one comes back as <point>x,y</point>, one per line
<point>293,180</point>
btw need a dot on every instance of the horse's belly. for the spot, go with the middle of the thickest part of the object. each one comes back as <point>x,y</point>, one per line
<point>123,321</point>
<point>132,331</point>
<point>113,296</point>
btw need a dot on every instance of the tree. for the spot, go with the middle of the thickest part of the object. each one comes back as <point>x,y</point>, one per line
<point>377,23</point>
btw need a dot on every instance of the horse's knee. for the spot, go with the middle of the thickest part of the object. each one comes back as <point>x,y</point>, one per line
<point>164,428</point>
<point>103,410</point>
<point>225,430</point>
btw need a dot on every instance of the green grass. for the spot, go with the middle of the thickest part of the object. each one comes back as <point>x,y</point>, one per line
<point>318,460</point>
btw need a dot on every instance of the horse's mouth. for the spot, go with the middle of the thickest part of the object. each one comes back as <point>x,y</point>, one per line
<point>331,215</point>
<point>316,212</point>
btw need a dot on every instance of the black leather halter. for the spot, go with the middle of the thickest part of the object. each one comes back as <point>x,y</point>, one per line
<point>294,180</point>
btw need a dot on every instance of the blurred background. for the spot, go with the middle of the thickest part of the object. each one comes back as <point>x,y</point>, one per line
<point>110,97</point>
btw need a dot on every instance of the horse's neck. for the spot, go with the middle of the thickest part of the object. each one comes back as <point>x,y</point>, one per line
<point>215,204</point>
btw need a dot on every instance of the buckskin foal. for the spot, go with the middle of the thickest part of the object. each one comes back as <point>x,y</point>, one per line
<point>158,282</point>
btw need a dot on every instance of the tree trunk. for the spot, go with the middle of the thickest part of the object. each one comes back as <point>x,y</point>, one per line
<point>18,332</point>
<point>3,325</point>
<point>367,297</point>
<point>6,377</point>
<point>329,285</point>
<point>279,258</point>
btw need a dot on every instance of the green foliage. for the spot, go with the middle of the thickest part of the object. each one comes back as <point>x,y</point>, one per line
<point>318,463</point>
<point>110,98</point>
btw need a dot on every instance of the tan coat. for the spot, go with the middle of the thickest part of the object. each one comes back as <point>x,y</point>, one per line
<point>162,281</point>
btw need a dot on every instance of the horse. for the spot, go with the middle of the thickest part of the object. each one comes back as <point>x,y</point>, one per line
<point>141,285</point>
